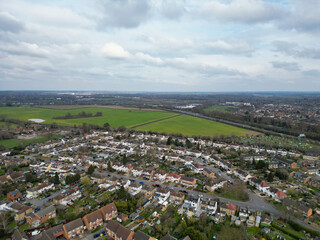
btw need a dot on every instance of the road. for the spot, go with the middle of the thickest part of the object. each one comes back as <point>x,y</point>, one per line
<point>39,203</point>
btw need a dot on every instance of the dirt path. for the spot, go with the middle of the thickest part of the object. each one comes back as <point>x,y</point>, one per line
<point>158,120</point>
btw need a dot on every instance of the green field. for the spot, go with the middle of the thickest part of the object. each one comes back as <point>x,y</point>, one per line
<point>10,143</point>
<point>190,126</point>
<point>129,118</point>
<point>6,125</point>
<point>222,108</point>
<point>115,117</point>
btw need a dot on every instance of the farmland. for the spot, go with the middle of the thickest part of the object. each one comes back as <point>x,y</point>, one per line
<point>221,108</point>
<point>144,120</point>
<point>10,143</point>
<point>189,126</point>
<point>115,117</point>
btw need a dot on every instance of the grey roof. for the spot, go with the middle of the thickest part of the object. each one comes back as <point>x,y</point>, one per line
<point>45,211</point>
<point>19,235</point>
<point>74,224</point>
<point>141,236</point>
<point>168,237</point>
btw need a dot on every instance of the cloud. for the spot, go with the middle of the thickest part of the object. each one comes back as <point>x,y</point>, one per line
<point>123,13</point>
<point>294,50</point>
<point>172,9</point>
<point>114,51</point>
<point>25,48</point>
<point>147,58</point>
<point>312,73</point>
<point>289,66</point>
<point>304,16</point>
<point>223,47</point>
<point>241,11</point>
<point>9,23</point>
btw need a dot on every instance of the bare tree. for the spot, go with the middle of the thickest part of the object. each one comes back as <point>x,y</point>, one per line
<point>4,221</point>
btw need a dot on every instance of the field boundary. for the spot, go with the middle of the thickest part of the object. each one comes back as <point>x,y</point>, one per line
<point>75,107</point>
<point>158,120</point>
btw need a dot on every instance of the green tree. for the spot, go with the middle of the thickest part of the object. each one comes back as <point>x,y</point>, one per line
<point>109,168</point>
<point>169,140</point>
<point>90,170</point>
<point>85,180</point>
<point>56,179</point>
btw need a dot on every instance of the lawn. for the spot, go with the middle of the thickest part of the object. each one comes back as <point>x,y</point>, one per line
<point>6,125</point>
<point>10,143</point>
<point>253,230</point>
<point>222,108</point>
<point>190,126</point>
<point>115,117</point>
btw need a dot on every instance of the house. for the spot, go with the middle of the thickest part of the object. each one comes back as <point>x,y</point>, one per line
<point>66,197</point>
<point>176,197</point>
<point>285,163</point>
<point>14,195</point>
<point>228,209</point>
<point>55,231</point>
<point>188,181</point>
<point>148,191</point>
<point>73,229</point>
<point>191,205</point>
<point>162,195</point>
<point>139,235</point>
<point>172,177</point>
<point>252,158</point>
<point>35,219</point>
<point>263,187</point>
<point>209,207</point>
<point>93,220</point>
<point>20,210</point>
<point>147,173</point>
<point>118,232</point>
<point>41,188</point>
<point>244,213</point>
<point>122,217</point>
<point>19,235</point>
<point>215,184</point>
<point>209,173</point>
<point>273,165</point>
<point>159,175</point>
<point>134,188</point>
<point>17,176</point>
<point>136,172</point>
<point>251,221</point>
<point>98,178</point>
<point>198,168</point>
<point>280,194</point>
<point>109,211</point>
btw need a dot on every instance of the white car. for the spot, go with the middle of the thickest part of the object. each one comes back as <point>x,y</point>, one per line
<point>35,232</point>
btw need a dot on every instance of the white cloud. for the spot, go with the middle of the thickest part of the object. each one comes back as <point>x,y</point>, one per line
<point>9,23</point>
<point>113,50</point>
<point>147,58</point>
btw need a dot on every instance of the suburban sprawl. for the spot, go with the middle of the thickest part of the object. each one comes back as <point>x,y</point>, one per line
<point>131,185</point>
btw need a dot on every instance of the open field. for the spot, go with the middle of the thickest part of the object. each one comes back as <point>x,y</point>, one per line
<point>10,143</point>
<point>189,126</point>
<point>115,117</point>
<point>6,125</point>
<point>158,121</point>
<point>69,107</point>
<point>222,108</point>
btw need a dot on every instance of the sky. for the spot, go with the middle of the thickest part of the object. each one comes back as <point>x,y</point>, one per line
<point>160,45</point>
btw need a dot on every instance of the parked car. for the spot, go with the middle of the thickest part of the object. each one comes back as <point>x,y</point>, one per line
<point>35,232</point>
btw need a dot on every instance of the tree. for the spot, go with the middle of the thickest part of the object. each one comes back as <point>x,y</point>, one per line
<point>107,126</point>
<point>109,168</point>
<point>56,179</point>
<point>270,177</point>
<point>4,221</point>
<point>169,141</point>
<point>85,180</point>
<point>90,170</point>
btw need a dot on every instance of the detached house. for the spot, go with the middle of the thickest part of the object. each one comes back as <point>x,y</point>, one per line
<point>159,175</point>
<point>214,184</point>
<point>176,197</point>
<point>20,210</point>
<point>93,220</point>
<point>14,195</point>
<point>109,211</point>
<point>41,188</point>
<point>228,209</point>
<point>73,229</point>
<point>118,232</point>
<point>172,177</point>
<point>188,181</point>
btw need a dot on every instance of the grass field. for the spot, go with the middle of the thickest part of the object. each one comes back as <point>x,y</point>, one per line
<point>10,143</point>
<point>189,126</point>
<point>222,108</point>
<point>115,117</point>
<point>6,125</point>
<point>154,120</point>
